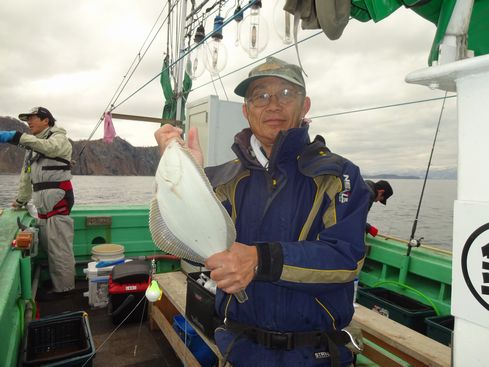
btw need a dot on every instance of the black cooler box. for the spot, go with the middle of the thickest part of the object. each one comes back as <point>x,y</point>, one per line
<point>127,286</point>
<point>199,307</point>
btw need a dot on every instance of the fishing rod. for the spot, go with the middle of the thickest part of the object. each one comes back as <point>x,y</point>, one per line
<point>412,241</point>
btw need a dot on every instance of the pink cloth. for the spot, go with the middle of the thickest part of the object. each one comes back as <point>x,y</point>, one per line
<point>109,131</point>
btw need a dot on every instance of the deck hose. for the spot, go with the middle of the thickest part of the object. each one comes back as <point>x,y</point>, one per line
<point>419,293</point>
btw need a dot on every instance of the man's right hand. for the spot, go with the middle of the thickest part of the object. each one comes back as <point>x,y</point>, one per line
<point>167,132</point>
<point>6,136</point>
<point>16,205</point>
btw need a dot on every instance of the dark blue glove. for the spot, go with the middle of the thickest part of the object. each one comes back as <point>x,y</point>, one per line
<point>6,136</point>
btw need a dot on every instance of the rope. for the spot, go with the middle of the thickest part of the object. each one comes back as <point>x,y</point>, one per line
<point>415,223</point>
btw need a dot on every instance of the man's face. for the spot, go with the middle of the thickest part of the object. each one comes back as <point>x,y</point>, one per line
<point>284,108</point>
<point>36,125</point>
<point>380,195</point>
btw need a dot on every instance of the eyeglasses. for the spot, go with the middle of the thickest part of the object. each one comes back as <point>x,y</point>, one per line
<point>284,96</point>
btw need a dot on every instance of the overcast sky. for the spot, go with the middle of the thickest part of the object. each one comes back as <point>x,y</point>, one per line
<point>70,56</point>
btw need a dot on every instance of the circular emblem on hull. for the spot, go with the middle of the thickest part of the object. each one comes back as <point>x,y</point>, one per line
<point>476,251</point>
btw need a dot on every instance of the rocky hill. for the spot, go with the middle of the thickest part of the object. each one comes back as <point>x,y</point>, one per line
<point>98,158</point>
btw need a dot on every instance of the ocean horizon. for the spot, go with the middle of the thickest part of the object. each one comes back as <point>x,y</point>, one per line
<point>395,219</point>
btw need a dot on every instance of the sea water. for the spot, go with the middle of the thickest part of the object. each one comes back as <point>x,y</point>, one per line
<point>396,218</point>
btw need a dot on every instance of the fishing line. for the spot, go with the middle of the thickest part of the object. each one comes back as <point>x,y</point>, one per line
<point>222,85</point>
<point>140,325</point>
<point>113,332</point>
<point>412,242</point>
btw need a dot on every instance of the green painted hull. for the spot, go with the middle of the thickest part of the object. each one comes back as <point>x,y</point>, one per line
<point>425,275</point>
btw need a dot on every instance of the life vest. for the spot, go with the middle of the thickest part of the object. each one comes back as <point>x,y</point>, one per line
<point>62,207</point>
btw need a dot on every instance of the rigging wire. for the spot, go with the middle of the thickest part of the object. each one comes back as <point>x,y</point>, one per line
<point>259,60</point>
<point>412,241</point>
<point>225,23</point>
<point>130,71</point>
<point>382,107</point>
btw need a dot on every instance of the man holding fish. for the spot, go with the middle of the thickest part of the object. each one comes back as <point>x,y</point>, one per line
<point>300,213</point>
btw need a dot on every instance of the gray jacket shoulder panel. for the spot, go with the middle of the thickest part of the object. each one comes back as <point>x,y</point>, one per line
<point>317,159</point>
<point>222,174</point>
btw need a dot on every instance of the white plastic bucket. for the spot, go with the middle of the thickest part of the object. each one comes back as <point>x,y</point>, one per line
<point>107,252</point>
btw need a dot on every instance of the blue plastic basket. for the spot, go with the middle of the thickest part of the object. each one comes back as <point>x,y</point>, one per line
<point>194,342</point>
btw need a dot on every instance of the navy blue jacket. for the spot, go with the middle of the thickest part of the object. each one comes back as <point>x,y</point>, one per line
<point>306,214</point>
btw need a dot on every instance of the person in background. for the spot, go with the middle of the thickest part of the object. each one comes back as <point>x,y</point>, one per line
<point>46,177</point>
<point>300,213</point>
<point>380,191</point>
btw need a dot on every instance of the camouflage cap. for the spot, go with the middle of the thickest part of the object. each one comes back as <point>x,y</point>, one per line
<point>272,67</point>
<point>41,112</point>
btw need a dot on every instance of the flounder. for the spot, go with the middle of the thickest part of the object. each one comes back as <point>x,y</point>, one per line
<point>186,219</point>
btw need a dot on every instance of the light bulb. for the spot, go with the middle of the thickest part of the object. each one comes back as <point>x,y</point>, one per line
<point>254,32</point>
<point>238,17</point>
<point>216,54</point>
<point>195,60</point>
<point>153,292</point>
<point>283,23</point>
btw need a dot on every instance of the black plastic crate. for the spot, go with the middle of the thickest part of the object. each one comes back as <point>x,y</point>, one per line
<point>440,328</point>
<point>397,307</point>
<point>60,340</point>
<point>199,306</point>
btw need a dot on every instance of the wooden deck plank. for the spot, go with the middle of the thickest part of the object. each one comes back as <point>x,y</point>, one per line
<point>414,346</point>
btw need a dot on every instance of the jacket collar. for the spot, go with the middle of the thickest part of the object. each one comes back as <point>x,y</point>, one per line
<point>288,146</point>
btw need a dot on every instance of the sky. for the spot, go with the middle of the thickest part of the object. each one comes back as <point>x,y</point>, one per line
<point>71,56</point>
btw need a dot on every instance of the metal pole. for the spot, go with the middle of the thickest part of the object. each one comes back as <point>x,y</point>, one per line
<point>180,64</point>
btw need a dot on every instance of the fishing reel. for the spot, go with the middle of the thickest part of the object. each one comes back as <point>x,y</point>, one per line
<point>413,242</point>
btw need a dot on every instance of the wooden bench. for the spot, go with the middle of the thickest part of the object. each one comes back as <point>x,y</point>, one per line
<point>397,342</point>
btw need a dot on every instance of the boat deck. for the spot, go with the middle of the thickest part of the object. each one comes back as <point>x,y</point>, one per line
<point>152,349</point>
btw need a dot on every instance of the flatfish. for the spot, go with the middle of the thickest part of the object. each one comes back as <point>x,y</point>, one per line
<point>186,219</point>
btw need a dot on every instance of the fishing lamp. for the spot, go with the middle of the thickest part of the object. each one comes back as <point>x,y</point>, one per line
<point>282,22</point>
<point>238,17</point>
<point>254,31</point>
<point>216,54</point>
<point>195,62</point>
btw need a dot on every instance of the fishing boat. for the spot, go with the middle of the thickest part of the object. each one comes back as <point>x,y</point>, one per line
<point>448,284</point>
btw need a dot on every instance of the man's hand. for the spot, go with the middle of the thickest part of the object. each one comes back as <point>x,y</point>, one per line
<point>16,205</point>
<point>233,269</point>
<point>167,132</point>
<point>6,136</point>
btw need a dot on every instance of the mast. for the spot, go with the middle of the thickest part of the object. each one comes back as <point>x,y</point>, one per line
<point>469,77</point>
<point>180,69</point>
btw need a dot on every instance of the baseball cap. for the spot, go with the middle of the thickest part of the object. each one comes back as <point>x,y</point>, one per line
<point>272,67</point>
<point>384,185</point>
<point>41,112</point>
